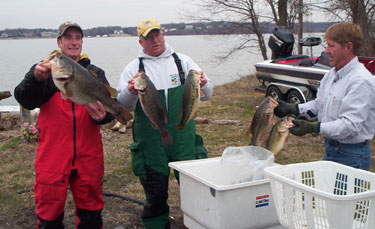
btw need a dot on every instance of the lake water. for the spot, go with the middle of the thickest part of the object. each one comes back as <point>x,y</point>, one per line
<point>113,53</point>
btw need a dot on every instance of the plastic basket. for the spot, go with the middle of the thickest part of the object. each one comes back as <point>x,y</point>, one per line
<point>323,194</point>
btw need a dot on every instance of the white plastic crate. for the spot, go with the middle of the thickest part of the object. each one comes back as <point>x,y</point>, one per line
<point>322,195</point>
<point>210,199</point>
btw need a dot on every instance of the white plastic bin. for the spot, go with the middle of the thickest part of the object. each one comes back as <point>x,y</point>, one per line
<point>210,200</point>
<point>322,195</point>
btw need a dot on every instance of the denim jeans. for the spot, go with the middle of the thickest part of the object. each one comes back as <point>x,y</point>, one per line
<point>354,155</point>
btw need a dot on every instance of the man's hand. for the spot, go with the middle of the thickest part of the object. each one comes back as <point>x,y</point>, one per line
<point>202,80</point>
<point>96,113</point>
<point>303,127</point>
<point>131,83</point>
<point>42,71</point>
<point>284,109</point>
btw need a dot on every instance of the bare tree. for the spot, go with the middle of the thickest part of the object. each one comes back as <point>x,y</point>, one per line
<point>279,10</point>
<point>248,15</point>
<point>361,12</point>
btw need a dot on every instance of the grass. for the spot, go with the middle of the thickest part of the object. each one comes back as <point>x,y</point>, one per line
<point>11,144</point>
<point>233,101</point>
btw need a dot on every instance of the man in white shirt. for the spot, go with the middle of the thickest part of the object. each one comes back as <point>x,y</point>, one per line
<point>167,70</point>
<point>345,103</point>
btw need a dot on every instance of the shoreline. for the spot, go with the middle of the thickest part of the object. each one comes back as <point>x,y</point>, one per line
<point>13,109</point>
<point>9,109</point>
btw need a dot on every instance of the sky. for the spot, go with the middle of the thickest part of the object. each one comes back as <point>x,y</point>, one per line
<point>50,14</point>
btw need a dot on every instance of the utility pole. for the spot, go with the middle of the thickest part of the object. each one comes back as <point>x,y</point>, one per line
<point>300,25</point>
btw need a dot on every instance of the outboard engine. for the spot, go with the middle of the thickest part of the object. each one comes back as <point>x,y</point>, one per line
<point>281,43</point>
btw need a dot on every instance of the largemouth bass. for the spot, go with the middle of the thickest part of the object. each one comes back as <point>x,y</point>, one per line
<point>191,97</point>
<point>78,84</point>
<point>262,120</point>
<point>152,106</point>
<point>278,135</point>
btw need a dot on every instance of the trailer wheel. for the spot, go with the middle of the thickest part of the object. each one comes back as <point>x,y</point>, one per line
<point>294,97</point>
<point>275,93</point>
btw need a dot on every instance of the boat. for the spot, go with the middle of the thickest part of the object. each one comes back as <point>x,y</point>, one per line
<point>295,78</point>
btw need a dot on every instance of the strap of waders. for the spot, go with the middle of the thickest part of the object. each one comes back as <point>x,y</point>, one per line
<point>177,60</point>
<point>179,67</point>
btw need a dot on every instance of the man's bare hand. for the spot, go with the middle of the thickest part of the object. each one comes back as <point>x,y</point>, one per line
<point>97,113</point>
<point>202,80</point>
<point>131,83</point>
<point>42,71</point>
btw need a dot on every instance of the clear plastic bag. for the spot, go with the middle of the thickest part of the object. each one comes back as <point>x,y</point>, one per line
<point>246,163</point>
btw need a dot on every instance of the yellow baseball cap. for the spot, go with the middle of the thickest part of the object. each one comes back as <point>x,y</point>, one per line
<point>145,26</point>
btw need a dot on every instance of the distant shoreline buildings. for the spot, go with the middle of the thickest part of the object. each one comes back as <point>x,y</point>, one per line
<point>212,28</point>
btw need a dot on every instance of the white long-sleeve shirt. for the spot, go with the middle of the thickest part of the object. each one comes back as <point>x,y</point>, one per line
<point>345,104</point>
<point>163,73</point>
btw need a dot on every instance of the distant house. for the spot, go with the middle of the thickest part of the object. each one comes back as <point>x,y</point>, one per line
<point>48,34</point>
<point>189,27</point>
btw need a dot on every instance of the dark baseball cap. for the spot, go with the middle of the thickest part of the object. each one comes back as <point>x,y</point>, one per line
<point>66,25</point>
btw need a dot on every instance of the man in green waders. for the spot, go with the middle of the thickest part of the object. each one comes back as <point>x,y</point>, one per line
<point>167,70</point>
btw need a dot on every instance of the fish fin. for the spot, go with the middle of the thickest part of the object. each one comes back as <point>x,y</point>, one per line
<point>166,138</point>
<point>124,116</point>
<point>165,119</point>
<point>68,91</point>
<point>197,93</point>
<point>253,141</point>
<point>181,127</point>
<point>63,95</point>
<point>248,133</point>
<point>263,136</point>
<point>93,73</point>
<point>111,91</point>
<point>49,58</point>
<point>264,144</point>
<point>153,125</point>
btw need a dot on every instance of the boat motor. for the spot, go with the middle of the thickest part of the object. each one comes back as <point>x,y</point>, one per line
<point>281,42</point>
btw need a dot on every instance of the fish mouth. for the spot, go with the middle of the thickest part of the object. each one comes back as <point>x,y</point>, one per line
<point>289,121</point>
<point>273,101</point>
<point>62,79</point>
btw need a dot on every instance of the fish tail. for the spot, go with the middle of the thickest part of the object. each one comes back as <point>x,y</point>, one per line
<point>121,119</point>
<point>166,138</point>
<point>181,127</point>
<point>124,116</point>
<point>255,141</point>
<point>248,132</point>
<point>252,142</point>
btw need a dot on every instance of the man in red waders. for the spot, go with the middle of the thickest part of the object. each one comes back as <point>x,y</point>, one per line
<point>70,150</point>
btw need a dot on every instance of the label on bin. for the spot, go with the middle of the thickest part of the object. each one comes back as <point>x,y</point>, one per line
<point>262,201</point>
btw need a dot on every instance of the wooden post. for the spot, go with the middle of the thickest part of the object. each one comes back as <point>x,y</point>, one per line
<point>24,116</point>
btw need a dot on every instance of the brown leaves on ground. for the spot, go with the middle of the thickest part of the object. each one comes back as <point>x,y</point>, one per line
<point>233,101</point>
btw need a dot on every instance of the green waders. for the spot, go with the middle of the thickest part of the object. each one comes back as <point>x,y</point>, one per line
<point>150,158</point>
